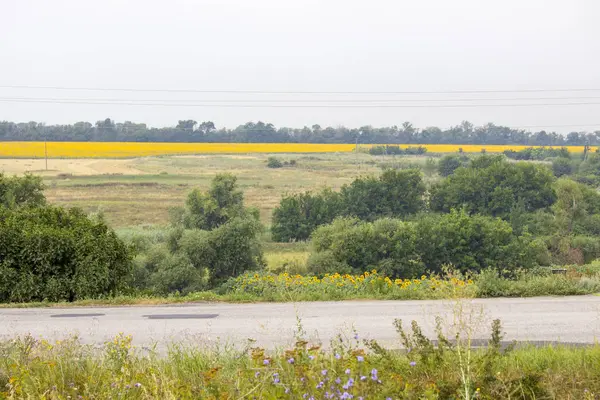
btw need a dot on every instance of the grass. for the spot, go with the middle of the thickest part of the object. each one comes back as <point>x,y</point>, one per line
<point>265,286</point>
<point>347,369</point>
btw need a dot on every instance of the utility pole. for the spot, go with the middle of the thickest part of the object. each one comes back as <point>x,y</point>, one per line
<point>46,150</point>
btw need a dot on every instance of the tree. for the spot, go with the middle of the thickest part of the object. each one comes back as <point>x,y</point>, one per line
<point>298,215</point>
<point>223,202</point>
<point>188,124</point>
<point>394,193</point>
<point>21,191</point>
<point>49,253</point>
<point>490,185</point>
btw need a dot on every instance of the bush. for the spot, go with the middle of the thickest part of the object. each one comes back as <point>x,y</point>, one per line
<point>297,216</point>
<point>21,191</point>
<point>223,202</point>
<point>448,164</point>
<point>274,162</point>
<point>396,150</point>
<point>49,253</point>
<point>490,185</point>
<point>408,249</point>
<point>395,193</point>
<point>538,153</point>
<point>561,166</point>
<point>326,263</point>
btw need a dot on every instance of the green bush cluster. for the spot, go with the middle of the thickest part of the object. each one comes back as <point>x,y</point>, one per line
<point>537,153</point>
<point>213,238</point>
<point>49,253</point>
<point>395,193</point>
<point>396,150</point>
<point>403,249</point>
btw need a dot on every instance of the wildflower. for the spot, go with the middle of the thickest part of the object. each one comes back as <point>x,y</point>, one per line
<point>413,363</point>
<point>138,385</point>
<point>360,358</point>
<point>287,390</point>
<point>291,360</point>
<point>305,395</point>
<point>346,395</point>
<point>320,385</point>
<point>302,379</point>
<point>356,336</point>
<point>348,371</point>
<point>276,378</point>
<point>363,378</point>
<point>266,362</point>
<point>337,356</point>
<point>374,374</point>
<point>350,382</point>
<point>324,372</point>
<point>311,357</point>
<point>256,374</point>
<point>338,381</point>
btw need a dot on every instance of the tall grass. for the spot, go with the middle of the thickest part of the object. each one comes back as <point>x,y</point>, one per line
<point>347,369</point>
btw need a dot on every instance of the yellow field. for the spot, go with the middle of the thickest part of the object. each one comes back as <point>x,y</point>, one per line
<point>131,150</point>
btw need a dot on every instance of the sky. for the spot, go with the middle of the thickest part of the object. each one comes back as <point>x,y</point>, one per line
<point>198,59</point>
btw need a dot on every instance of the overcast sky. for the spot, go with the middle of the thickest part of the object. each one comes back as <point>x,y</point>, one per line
<point>308,45</point>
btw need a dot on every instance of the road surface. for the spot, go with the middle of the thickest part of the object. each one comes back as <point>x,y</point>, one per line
<point>566,319</point>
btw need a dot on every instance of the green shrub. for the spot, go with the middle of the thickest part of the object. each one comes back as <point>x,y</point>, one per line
<point>49,253</point>
<point>223,202</point>
<point>274,162</point>
<point>297,216</point>
<point>490,185</point>
<point>448,164</point>
<point>561,166</point>
<point>325,262</point>
<point>21,191</point>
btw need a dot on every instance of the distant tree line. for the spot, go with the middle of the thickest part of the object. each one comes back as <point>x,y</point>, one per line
<point>260,132</point>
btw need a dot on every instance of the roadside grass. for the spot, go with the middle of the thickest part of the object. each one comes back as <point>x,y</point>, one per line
<point>265,286</point>
<point>347,369</point>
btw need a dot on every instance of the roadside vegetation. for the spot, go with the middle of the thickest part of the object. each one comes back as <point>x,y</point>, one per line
<point>484,225</point>
<point>348,368</point>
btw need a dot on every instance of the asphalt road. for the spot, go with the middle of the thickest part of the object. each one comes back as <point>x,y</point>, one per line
<point>566,319</point>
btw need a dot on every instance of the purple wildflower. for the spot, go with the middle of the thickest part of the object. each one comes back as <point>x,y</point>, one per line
<point>320,385</point>
<point>346,395</point>
<point>324,372</point>
<point>374,374</point>
<point>338,381</point>
<point>256,374</point>
<point>363,378</point>
<point>350,382</point>
<point>287,390</point>
<point>348,371</point>
<point>311,357</point>
<point>356,336</point>
<point>413,363</point>
<point>266,361</point>
<point>138,385</point>
<point>337,356</point>
<point>291,360</point>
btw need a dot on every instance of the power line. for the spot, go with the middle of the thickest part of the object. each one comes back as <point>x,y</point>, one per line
<point>301,101</point>
<point>292,92</point>
<point>208,105</point>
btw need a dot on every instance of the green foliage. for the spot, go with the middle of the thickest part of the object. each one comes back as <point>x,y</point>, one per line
<point>492,186</point>
<point>394,193</point>
<point>223,202</point>
<point>562,166</point>
<point>537,153</point>
<point>49,253</point>
<point>448,164</point>
<point>21,191</point>
<point>297,216</point>
<point>396,150</point>
<point>407,249</point>
<point>274,162</point>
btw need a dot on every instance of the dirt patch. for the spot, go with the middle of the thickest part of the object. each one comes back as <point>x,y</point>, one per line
<point>78,167</point>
